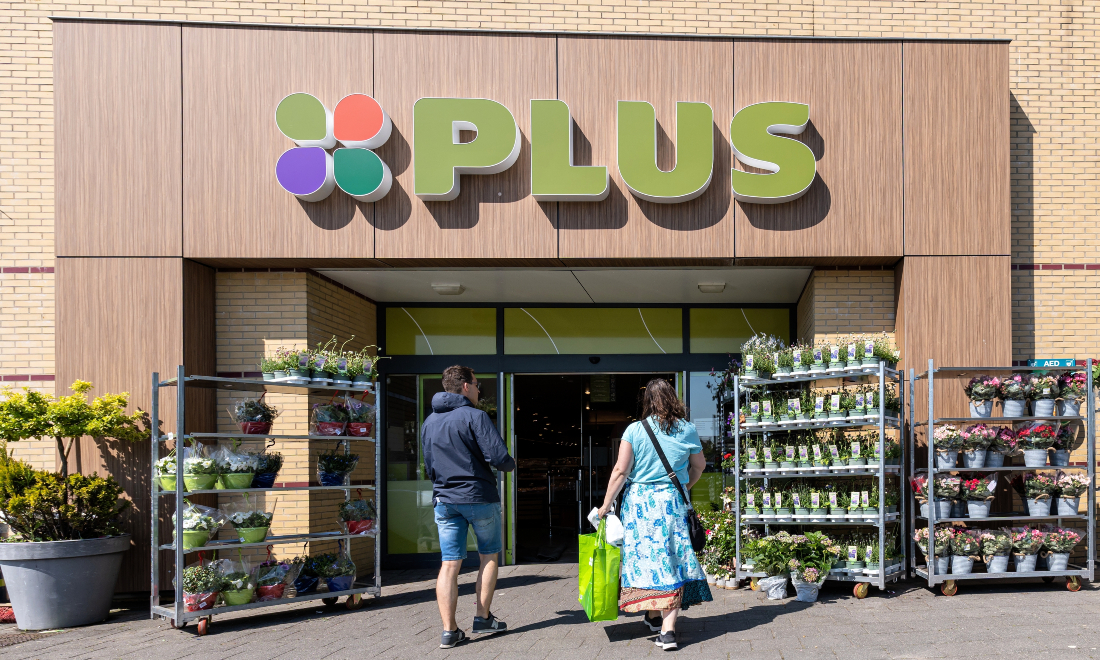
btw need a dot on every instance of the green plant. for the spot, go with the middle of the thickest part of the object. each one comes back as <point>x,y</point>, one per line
<point>270,364</point>
<point>336,462</point>
<point>355,510</point>
<point>202,579</point>
<point>253,410</point>
<point>46,506</point>
<point>847,401</point>
<point>332,565</point>
<point>786,358</point>
<point>250,519</point>
<point>884,348</point>
<point>268,462</point>
<point>236,580</point>
<point>806,400</point>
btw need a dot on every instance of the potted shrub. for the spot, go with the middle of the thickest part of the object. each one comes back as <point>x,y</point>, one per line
<point>772,557</point>
<point>975,444</point>
<point>202,583</point>
<point>1044,390</point>
<point>1072,387</point>
<point>360,418</point>
<point>752,455</point>
<point>1036,442</point>
<point>334,467</point>
<point>1065,439</point>
<point>329,419</point>
<point>337,570</point>
<point>996,544</point>
<point>1001,445</point>
<point>784,359</point>
<point>948,440</point>
<point>820,356</point>
<point>238,583</point>
<point>1036,489</point>
<point>945,490</point>
<point>1060,542</point>
<point>981,390</point>
<point>979,495</point>
<point>253,416</point>
<point>885,351</point>
<point>1070,489</point>
<point>62,559</point>
<point>1026,543</point>
<point>1014,392</point>
<point>268,464</point>
<point>813,559</point>
<point>965,547</point>
<point>771,452</point>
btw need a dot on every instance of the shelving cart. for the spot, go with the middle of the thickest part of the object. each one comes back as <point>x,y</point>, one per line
<point>862,579</point>
<point>176,612</point>
<point>949,582</point>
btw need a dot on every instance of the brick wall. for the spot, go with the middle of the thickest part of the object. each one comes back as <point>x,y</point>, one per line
<point>842,302</point>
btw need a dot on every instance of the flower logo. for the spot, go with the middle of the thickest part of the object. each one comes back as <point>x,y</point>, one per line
<point>309,171</point>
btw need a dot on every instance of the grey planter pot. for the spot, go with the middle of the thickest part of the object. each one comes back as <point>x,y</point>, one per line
<point>958,509</point>
<point>1043,407</point>
<point>801,512</point>
<point>943,509</point>
<point>786,464</point>
<point>1014,408</point>
<point>785,371</point>
<point>61,584</point>
<point>961,565</point>
<point>946,460</point>
<point>943,565</point>
<point>1068,506</point>
<point>1069,408</point>
<point>924,510</point>
<point>1035,458</point>
<point>994,459</point>
<point>974,458</point>
<point>1059,458</point>
<point>1038,507</point>
<point>980,409</point>
<point>1058,561</point>
<point>1025,563</point>
<point>996,564</point>
<point>857,462</point>
<point>977,508</point>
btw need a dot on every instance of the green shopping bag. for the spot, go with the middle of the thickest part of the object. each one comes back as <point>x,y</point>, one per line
<point>599,575</point>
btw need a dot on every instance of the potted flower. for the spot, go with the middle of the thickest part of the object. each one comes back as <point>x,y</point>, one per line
<point>235,469</point>
<point>981,390</point>
<point>200,523</point>
<point>1036,442</point>
<point>819,509</point>
<point>166,471</point>
<point>941,547</point>
<point>268,464</point>
<point>945,490</point>
<point>238,585</point>
<point>784,359</point>
<point>788,461</point>
<point>752,456</point>
<point>334,467</point>
<point>337,570</point>
<point>771,453</point>
<point>975,444</point>
<point>979,495</point>
<point>805,406</point>
<point>271,579</point>
<point>360,418</point>
<point>757,355</point>
<point>268,367</point>
<point>298,365</point>
<point>308,575</point>
<point>965,548</point>
<point>324,359</point>
<point>772,557</point>
<point>885,351</point>
<point>251,525</point>
<point>1026,543</point>
<point>919,485</point>
<point>1072,387</point>
<point>329,419</point>
<point>836,358</point>
<point>892,498</point>
<point>752,500</point>
<point>1044,390</point>
<point>800,499</point>
<point>253,416</point>
<point>821,456</point>
<point>1002,444</point>
<point>1036,489</point>
<point>798,366</point>
<point>893,452</point>
<point>1065,439</point>
<point>814,555</point>
<point>948,440</point>
<point>767,506</point>
<point>1060,542</point>
<point>838,504</point>
<point>892,405</point>
<point>996,544</point>
<point>1070,489</point>
<point>782,507</point>
<point>847,403</point>
<point>820,355</point>
<point>201,586</point>
<point>199,471</point>
<point>1014,392</point>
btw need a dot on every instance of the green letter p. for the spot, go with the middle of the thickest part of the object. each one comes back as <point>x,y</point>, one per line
<point>438,155</point>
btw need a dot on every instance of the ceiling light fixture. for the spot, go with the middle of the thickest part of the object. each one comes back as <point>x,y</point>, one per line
<point>448,288</point>
<point>708,287</point>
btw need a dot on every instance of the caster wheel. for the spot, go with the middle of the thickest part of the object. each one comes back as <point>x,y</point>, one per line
<point>329,601</point>
<point>861,590</point>
<point>1073,583</point>
<point>204,626</point>
<point>1048,580</point>
<point>354,601</point>
<point>755,585</point>
<point>949,588</point>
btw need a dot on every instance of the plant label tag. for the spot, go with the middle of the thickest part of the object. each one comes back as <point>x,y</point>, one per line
<point>855,449</point>
<point>859,400</point>
<point>750,499</point>
<point>754,408</point>
<point>798,358</point>
<point>834,354</point>
<point>767,408</point>
<point>819,405</point>
<point>865,499</point>
<point>869,349</point>
<point>767,500</point>
<point>775,359</point>
<point>875,446</point>
<point>342,365</point>
<point>319,362</point>
<point>303,360</point>
<point>779,499</point>
<point>834,403</point>
<point>768,454</point>
<point>853,553</point>
<point>794,406</point>
<point>790,452</point>
<point>855,500</point>
<point>752,454</point>
<point>797,500</point>
<point>803,453</point>
<point>868,553</point>
<point>748,362</point>
<point>832,499</point>
<point>817,355</point>
<point>851,351</point>
<point>834,452</point>
<point>815,500</point>
<point>1046,390</point>
<point>817,452</point>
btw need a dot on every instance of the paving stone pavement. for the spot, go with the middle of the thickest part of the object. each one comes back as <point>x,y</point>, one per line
<point>539,603</point>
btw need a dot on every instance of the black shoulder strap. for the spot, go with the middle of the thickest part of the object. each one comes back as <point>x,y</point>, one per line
<point>664,462</point>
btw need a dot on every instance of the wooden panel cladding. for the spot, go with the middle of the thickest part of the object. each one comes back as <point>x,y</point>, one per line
<point>233,80</point>
<point>119,320</point>
<point>117,137</point>
<point>494,216</point>
<point>957,188</point>
<point>957,311</point>
<point>854,206</point>
<point>594,74</point>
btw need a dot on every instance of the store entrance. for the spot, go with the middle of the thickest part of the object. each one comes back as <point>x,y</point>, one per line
<point>567,430</point>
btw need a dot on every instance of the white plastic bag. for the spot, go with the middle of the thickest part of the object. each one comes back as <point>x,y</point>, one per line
<point>614,532</point>
<point>775,586</point>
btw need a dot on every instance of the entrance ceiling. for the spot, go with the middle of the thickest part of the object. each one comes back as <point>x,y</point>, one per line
<point>578,285</point>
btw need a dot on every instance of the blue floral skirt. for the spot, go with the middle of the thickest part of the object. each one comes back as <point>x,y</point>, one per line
<point>659,567</point>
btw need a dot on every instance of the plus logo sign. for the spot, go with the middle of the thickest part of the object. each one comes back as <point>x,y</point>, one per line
<point>311,170</point>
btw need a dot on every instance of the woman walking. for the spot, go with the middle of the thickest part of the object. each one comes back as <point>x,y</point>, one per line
<point>660,573</point>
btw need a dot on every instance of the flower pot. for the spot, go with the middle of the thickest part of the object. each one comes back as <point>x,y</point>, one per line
<point>787,464</point>
<point>238,596</point>
<point>360,429</point>
<point>752,465</point>
<point>1025,563</point>
<point>783,371</point>
<point>236,481</point>
<point>870,361</point>
<point>1043,407</point>
<point>167,481</point>
<point>836,511</point>
<point>803,417</point>
<point>711,580</point>
<point>961,565</point>
<point>974,458</point>
<point>836,414</point>
<point>252,534</point>
<point>857,461</point>
<point>268,375</point>
<point>332,478</point>
<point>199,602</point>
<point>855,566</point>
<point>300,373</point>
<point>1014,408</point>
<point>1038,506</point>
<point>341,583</point>
<point>996,564</point>
<point>752,374</point>
<point>946,460</point>
<point>305,585</point>
<point>943,509</point>
<point>1059,458</point>
<point>1058,561</point>
<point>958,509</point>
<point>271,592</point>
<point>979,409</point>
<point>318,374</point>
<point>360,526</point>
<point>775,586</point>
<point>255,428</point>
<point>329,428</point>
<point>821,464</point>
<point>361,378</point>
<point>1035,458</point>
<point>801,511</point>
<point>279,375</point>
<point>871,567</point>
<point>1069,408</point>
<point>994,459</point>
<point>195,538</point>
<point>62,584</point>
<point>193,482</point>
<point>772,465</point>
<point>924,509</point>
<point>977,508</point>
<point>943,565</point>
<point>264,480</point>
<point>1068,506</point>
<point>805,592</point>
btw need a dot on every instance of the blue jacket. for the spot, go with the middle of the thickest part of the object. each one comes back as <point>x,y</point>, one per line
<point>460,442</point>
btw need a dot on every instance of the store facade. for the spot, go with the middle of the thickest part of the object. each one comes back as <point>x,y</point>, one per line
<point>580,207</point>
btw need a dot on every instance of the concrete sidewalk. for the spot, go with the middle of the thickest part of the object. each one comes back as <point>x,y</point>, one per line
<point>540,605</point>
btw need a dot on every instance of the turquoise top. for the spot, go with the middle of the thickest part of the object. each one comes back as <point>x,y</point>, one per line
<point>647,469</point>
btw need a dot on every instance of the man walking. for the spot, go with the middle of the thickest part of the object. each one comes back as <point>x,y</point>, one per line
<point>460,443</point>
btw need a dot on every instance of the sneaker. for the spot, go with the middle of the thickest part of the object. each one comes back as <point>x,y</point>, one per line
<point>488,626</point>
<point>654,625</point>
<point>451,639</point>
<point>666,641</point>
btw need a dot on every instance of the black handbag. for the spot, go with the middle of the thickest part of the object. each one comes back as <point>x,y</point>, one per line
<point>696,533</point>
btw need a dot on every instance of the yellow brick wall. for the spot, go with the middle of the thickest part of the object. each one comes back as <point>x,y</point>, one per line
<point>842,302</point>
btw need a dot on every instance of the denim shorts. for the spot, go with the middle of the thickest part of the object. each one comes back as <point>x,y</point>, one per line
<point>453,521</point>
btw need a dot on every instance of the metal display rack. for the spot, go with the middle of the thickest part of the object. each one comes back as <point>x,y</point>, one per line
<point>176,612</point>
<point>949,582</point>
<point>864,578</point>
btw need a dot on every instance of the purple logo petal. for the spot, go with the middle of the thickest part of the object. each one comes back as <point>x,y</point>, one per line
<point>301,170</point>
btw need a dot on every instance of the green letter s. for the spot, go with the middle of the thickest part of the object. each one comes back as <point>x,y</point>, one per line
<point>755,143</point>
<point>554,177</point>
<point>637,155</point>
<point>438,156</point>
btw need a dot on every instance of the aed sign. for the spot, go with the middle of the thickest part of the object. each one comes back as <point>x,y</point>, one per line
<point>315,166</point>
